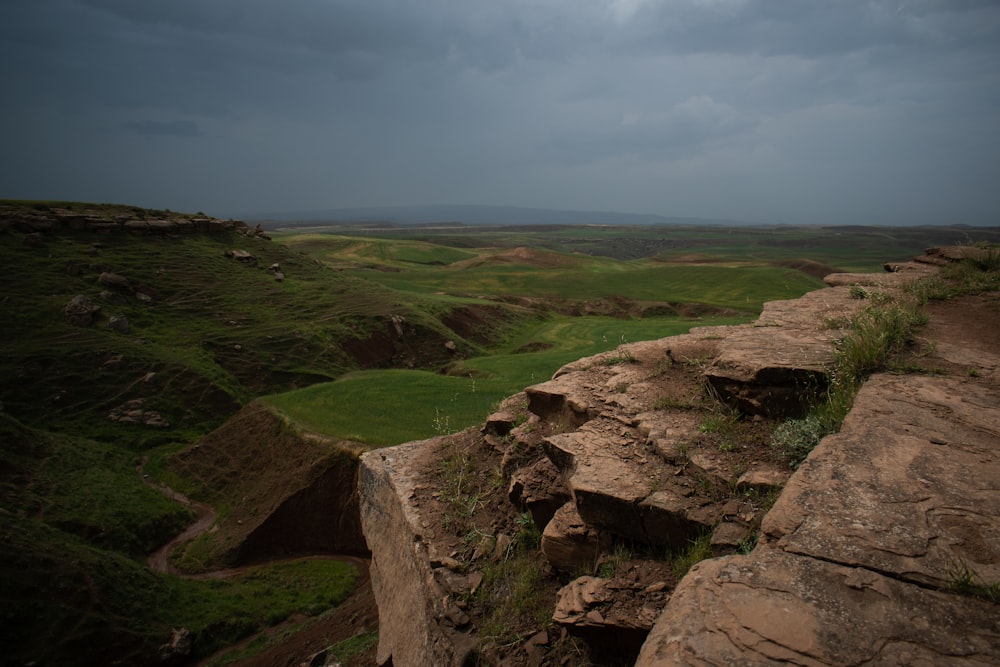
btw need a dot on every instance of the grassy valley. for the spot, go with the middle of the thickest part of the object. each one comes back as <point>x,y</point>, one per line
<point>130,335</point>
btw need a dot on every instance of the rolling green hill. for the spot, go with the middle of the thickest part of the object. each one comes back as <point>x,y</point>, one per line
<point>127,335</point>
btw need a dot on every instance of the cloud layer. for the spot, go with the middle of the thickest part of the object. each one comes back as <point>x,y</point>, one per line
<point>785,111</point>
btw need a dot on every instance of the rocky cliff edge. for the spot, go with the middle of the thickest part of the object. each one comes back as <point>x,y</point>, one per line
<point>880,548</point>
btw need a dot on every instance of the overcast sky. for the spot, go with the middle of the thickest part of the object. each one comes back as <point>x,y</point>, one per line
<point>777,111</point>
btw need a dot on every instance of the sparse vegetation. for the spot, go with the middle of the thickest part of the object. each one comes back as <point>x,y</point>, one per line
<point>965,581</point>
<point>697,550</point>
<point>512,595</point>
<point>877,332</point>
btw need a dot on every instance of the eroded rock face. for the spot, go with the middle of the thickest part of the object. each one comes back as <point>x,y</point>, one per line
<point>413,607</point>
<point>864,544</point>
<point>779,365</point>
<point>292,495</point>
<point>908,485</point>
<point>778,608</point>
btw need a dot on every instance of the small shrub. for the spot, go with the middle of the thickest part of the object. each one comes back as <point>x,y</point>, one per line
<point>795,438</point>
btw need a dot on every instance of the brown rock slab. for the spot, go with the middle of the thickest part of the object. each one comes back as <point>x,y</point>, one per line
<point>624,494</point>
<point>907,487</point>
<point>539,489</point>
<point>561,401</point>
<point>775,366</point>
<point>778,608</point>
<point>764,478</point>
<point>613,616</point>
<point>568,543</point>
<point>416,615</point>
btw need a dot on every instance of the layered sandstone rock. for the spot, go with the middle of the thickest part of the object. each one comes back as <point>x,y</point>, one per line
<point>417,618</point>
<point>857,559</point>
<point>863,551</point>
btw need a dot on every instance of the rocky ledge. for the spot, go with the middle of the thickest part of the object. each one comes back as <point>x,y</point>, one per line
<point>635,453</point>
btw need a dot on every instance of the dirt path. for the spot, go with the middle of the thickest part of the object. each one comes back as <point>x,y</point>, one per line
<point>158,560</point>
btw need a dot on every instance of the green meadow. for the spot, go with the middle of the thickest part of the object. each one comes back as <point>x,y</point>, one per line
<point>727,272</point>
<point>385,407</point>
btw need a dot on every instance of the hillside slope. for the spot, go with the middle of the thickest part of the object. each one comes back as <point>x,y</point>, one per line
<point>123,329</point>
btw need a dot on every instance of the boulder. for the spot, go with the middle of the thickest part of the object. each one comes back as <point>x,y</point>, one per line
<point>568,543</point>
<point>80,311</point>
<point>241,256</point>
<point>118,323</point>
<point>538,489</point>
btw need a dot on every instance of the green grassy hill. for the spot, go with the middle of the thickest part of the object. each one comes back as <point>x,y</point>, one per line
<point>182,320</point>
<point>85,400</point>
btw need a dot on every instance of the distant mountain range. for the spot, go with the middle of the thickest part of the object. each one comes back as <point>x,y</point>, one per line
<point>476,215</point>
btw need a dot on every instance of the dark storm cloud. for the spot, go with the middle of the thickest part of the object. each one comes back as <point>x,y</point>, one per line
<point>775,110</point>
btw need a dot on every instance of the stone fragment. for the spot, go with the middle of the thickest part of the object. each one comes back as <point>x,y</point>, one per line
<point>118,323</point>
<point>114,280</point>
<point>568,543</point>
<point>728,537</point>
<point>539,489</point>
<point>499,423</point>
<point>80,311</point>
<point>763,478</point>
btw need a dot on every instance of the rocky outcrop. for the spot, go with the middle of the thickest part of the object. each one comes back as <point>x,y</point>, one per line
<point>40,219</point>
<point>417,618</point>
<point>654,445</point>
<point>863,552</point>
